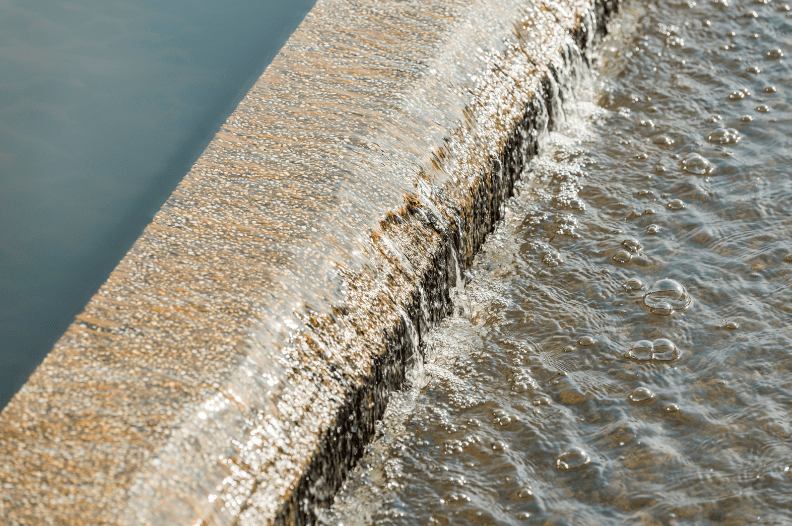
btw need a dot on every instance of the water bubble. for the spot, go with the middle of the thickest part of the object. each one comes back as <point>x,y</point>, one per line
<point>676,204</point>
<point>788,258</point>
<point>696,164</point>
<point>746,118</point>
<point>586,341</point>
<point>647,123</point>
<point>572,460</point>
<point>525,493</point>
<point>631,244</point>
<point>642,395</point>
<point>632,284</point>
<point>764,108</point>
<point>753,69</point>
<point>664,350</point>
<point>731,325</point>
<point>715,118</point>
<point>498,446</point>
<point>641,351</point>
<point>660,350</point>
<point>622,256</point>
<point>652,229</point>
<point>724,136</point>
<point>660,169</point>
<point>770,89</point>
<point>737,95</point>
<point>666,296</point>
<point>641,156</point>
<point>663,140</point>
<point>774,53</point>
<point>671,408</point>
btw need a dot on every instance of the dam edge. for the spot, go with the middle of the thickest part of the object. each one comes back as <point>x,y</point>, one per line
<point>130,464</point>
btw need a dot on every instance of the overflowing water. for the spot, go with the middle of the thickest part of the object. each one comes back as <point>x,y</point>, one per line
<point>620,351</point>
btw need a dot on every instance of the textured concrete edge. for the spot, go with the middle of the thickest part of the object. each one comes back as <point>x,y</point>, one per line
<point>116,428</point>
<point>342,445</point>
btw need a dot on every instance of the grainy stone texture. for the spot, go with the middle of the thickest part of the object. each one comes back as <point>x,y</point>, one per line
<point>232,367</point>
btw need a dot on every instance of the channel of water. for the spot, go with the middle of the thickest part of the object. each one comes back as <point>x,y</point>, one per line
<point>620,350</point>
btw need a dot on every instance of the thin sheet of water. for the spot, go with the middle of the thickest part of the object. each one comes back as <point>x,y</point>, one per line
<point>621,350</point>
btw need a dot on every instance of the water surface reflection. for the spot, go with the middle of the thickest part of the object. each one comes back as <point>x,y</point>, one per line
<point>103,108</point>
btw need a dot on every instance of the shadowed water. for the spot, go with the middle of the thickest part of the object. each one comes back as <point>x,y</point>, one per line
<point>103,108</point>
<point>620,351</point>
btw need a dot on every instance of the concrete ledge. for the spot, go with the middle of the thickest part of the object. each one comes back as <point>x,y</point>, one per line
<point>232,367</point>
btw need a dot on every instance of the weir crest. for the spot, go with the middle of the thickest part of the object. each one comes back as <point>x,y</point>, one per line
<point>233,366</point>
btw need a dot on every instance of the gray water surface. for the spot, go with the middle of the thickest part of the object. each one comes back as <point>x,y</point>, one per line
<point>103,108</point>
<point>621,350</point>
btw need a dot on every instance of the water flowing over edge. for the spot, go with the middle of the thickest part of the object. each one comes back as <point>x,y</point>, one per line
<point>232,368</point>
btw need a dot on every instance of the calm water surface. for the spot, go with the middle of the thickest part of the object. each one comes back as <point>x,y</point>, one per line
<point>104,105</point>
<point>621,351</point>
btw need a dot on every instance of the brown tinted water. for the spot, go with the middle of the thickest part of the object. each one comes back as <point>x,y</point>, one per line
<point>621,349</point>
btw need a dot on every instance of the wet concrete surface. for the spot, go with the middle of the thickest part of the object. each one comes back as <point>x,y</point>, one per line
<point>232,367</point>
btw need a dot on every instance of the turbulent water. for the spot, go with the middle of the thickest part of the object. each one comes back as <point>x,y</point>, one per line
<point>621,349</point>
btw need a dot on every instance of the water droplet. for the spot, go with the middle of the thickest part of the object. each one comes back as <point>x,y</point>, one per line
<point>671,408</point>
<point>788,258</point>
<point>676,204</point>
<point>641,351</point>
<point>746,118</point>
<point>753,69</point>
<point>622,256</point>
<point>640,156</point>
<point>647,123</point>
<point>696,164</point>
<point>715,118</point>
<point>586,341</point>
<point>642,395</point>
<point>724,136</point>
<point>498,446</point>
<point>663,140</point>
<point>774,53</point>
<point>652,229</point>
<point>737,95</point>
<point>632,284</point>
<point>763,108</point>
<point>731,325</point>
<point>568,349</point>
<point>572,460</point>
<point>660,169</point>
<point>631,244</point>
<point>666,296</point>
<point>770,89</point>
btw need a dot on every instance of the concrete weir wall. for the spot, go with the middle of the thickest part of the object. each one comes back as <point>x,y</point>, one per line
<point>231,369</point>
